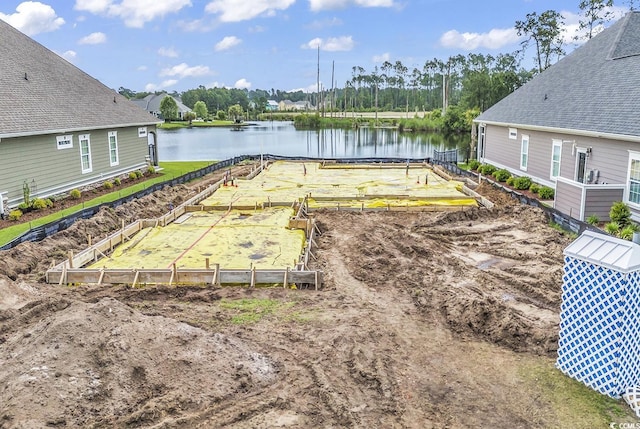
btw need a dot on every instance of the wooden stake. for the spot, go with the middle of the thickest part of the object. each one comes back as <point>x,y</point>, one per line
<point>253,276</point>
<point>70,257</point>
<point>135,279</point>
<point>101,277</point>
<point>89,239</point>
<point>206,263</point>
<point>216,275</point>
<point>286,278</point>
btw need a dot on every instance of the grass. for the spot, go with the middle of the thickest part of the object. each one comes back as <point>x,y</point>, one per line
<point>253,310</point>
<point>170,170</point>
<point>179,124</point>
<point>574,404</point>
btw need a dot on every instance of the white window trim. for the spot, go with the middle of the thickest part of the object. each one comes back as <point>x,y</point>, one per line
<point>627,192</point>
<point>88,139</point>
<point>556,143</point>
<point>525,137</point>
<point>142,131</point>
<point>64,142</point>
<point>513,134</point>
<point>117,160</point>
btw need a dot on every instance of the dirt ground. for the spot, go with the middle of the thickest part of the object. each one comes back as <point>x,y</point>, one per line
<point>426,320</point>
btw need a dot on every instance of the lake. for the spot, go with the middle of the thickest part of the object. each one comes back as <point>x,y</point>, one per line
<point>281,138</point>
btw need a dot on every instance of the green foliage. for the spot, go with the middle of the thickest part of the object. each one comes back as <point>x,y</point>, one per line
<point>593,219</point>
<point>534,188</point>
<point>236,112</point>
<point>189,116</point>
<point>24,206</point>
<point>200,109</point>
<point>620,213</point>
<point>546,193</point>
<point>133,175</point>
<point>151,169</point>
<point>26,193</point>
<point>474,164</point>
<point>39,204</point>
<point>15,214</point>
<point>251,310</point>
<point>456,121</point>
<point>510,180</point>
<point>501,175</point>
<point>169,108</point>
<point>107,185</point>
<point>487,169</point>
<point>522,183</point>
<point>139,174</point>
<point>612,228</point>
<point>75,194</point>
<point>117,181</point>
<point>221,115</point>
<point>626,233</point>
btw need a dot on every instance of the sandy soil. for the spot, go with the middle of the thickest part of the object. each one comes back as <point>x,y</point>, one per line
<point>426,320</point>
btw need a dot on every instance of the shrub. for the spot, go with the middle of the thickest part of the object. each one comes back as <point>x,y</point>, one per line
<point>612,228</point>
<point>107,185</point>
<point>139,174</point>
<point>522,183</point>
<point>151,169</point>
<point>133,175</point>
<point>626,233</point>
<point>534,188</point>
<point>487,169</point>
<point>24,207</point>
<point>510,180</point>
<point>501,175</point>
<point>15,214</point>
<point>593,220</point>
<point>39,204</point>
<point>474,164</point>
<point>620,213</point>
<point>117,181</point>
<point>546,193</point>
<point>75,194</point>
<point>49,202</point>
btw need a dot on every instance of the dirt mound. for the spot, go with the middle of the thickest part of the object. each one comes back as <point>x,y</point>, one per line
<point>108,364</point>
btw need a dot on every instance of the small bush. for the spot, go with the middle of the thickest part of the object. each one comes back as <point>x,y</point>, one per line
<point>510,180</point>
<point>546,193</point>
<point>15,214</point>
<point>39,204</point>
<point>522,183</point>
<point>593,220</point>
<point>626,233</point>
<point>139,174</point>
<point>75,194</point>
<point>133,175</point>
<point>117,181</point>
<point>474,164</point>
<point>501,175</point>
<point>534,188</point>
<point>612,228</point>
<point>487,169</point>
<point>49,202</point>
<point>151,170</point>
<point>24,207</point>
<point>620,213</point>
<point>107,185</point>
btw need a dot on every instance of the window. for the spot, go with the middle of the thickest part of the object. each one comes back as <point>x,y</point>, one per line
<point>85,153</point>
<point>634,178</point>
<point>556,152</point>
<point>513,133</point>
<point>524,153</point>
<point>113,148</point>
<point>64,142</point>
<point>581,165</point>
<point>142,132</point>
<point>481,142</point>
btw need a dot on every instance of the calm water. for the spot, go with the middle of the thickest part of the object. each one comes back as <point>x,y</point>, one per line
<point>281,138</point>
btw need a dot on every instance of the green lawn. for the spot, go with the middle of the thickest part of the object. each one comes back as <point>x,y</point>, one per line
<point>170,170</point>
<point>179,124</point>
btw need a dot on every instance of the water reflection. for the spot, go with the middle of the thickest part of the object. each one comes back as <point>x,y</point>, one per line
<point>281,138</point>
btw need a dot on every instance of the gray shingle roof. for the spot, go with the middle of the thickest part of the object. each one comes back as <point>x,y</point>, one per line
<point>151,103</point>
<point>595,89</point>
<point>41,93</point>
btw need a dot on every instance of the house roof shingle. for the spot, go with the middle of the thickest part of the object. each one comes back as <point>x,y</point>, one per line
<point>594,90</point>
<point>41,93</point>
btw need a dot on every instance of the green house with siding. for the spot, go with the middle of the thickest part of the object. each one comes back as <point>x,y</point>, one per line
<point>60,128</point>
<point>576,126</point>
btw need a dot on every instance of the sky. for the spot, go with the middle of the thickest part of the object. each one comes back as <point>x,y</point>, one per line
<point>176,45</point>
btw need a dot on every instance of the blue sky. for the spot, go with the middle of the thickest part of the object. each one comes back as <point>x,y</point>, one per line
<point>150,45</point>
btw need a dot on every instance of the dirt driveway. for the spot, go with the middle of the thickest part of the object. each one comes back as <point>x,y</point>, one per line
<point>426,320</point>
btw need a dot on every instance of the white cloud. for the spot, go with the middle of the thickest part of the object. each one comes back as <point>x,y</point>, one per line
<point>134,13</point>
<point>227,43</point>
<point>332,44</point>
<point>69,55</point>
<point>183,70</point>
<point>325,23</point>
<point>381,58</point>
<point>317,5</point>
<point>235,10</point>
<point>152,87</point>
<point>257,29</point>
<point>309,89</point>
<point>93,39</point>
<point>494,39</point>
<point>242,84</point>
<point>168,52</point>
<point>142,68</point>
<point>199,25</point>
<point>33,17</point>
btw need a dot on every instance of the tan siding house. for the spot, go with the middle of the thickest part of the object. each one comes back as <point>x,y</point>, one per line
<point>62,129</point>
<point>579,123</point>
